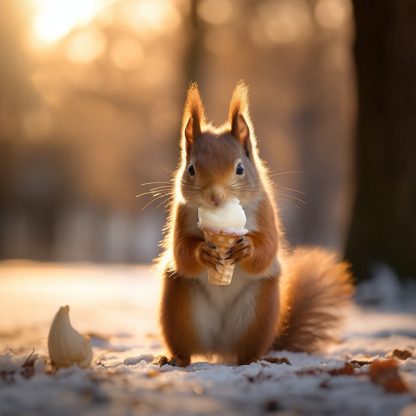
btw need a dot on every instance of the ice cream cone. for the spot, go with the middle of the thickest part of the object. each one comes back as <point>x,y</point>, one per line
<point>222,226</point>
<point>222,275</point>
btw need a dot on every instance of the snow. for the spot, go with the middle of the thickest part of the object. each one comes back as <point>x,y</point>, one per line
<point>117,306</point>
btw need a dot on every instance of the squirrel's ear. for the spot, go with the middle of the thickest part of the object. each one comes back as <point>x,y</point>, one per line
<point>241,131</point>
<point>239,117</point>
<point>193,117</point>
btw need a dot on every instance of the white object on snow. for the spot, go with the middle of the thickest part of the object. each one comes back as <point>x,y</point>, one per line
<point>66,345</point>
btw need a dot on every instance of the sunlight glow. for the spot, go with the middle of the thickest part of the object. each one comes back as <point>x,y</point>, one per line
<point>215,12</point>
<point>150,17</point>
<point>86,46</point>
<point>285,21</point>
<point>332,13</point>
<point>127,54</point>
<point>55,18</point>
<point>37,123</point>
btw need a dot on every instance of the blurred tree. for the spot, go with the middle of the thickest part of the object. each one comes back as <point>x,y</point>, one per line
<point>383,227</point>
<point>193,58</point>
<point>16,97</point>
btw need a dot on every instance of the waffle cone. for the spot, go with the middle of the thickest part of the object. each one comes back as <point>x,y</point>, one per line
<point>222,275</point>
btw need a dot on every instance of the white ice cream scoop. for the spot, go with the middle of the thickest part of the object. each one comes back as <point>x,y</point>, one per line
<point>227,218</point>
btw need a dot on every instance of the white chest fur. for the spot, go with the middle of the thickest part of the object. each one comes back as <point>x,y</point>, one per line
<point>222,314</point>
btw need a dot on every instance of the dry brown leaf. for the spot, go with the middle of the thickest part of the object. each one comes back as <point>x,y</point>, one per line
<point>275,360</point>
<point>386,374</point>
<point>359,363</point>
<point>347,370</point>
<point>401,354</point>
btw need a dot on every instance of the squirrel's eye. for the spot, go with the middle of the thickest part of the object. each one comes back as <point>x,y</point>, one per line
<point>191,169</point>
<point>239,169</point>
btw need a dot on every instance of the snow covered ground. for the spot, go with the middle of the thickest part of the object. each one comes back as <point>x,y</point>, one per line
<point>117,306</point>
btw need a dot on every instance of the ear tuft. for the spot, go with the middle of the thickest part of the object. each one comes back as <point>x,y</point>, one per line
<point>239,116</point>
<point>239,101</point>
<point>193,116</point>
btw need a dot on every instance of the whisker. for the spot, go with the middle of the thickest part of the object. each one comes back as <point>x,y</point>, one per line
<point>156,189</point>
<point>244,189</point>
<point>160,188</point>
<point>152,201</point>
<point>245,186</point>
<point>292,197</point>
<point>157,182</point>
<point>254,191</point>
<point>191,198</point>
<point>292,190</point>
<point>164,202</point>
<point>167,185</point>
<point>154,193</point>
<point>192,189</point>
<point>239,185</point>
<point>172,172</point>
<point>287,172</point>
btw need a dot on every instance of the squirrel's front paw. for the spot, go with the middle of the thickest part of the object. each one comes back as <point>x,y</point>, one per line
<point>207,254</point>
<point>241,250</point>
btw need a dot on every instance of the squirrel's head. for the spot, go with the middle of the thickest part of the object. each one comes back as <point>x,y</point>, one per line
<point>218,163</point>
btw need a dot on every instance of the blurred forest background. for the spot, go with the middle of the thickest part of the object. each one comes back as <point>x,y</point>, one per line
<point>91,100</point>
<point>91,97</point>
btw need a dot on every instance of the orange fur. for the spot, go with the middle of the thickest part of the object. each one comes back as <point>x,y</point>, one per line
<point>186,246</point>
<point>193,119</point>
<point>314,289</point>
<point>176,318</point>
<point>257,339</point>
<point>239,102</point>
<point>264,241</point>
<point>193,106</point>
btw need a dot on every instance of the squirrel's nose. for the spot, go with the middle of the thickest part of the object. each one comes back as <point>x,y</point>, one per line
<point>214,196</point>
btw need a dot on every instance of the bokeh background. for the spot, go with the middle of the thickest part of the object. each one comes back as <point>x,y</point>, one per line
<point>91,97</point>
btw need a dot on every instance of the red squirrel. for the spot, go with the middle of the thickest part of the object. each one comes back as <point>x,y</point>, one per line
<point>278,298</point>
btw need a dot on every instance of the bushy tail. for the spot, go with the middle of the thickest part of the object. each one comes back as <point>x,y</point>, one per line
<point>314,289</point>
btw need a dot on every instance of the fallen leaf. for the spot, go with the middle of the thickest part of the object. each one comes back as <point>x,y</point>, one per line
<point>401,354</point>
<point>386,374</point>
<point>359,363</point>
<point>275,360</point>
<point>347,370</point>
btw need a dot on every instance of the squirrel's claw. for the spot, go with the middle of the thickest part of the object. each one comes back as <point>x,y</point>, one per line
<point>208,255</point>
<point>241,250</point>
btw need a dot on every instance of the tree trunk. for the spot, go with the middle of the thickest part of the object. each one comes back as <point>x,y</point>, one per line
<point>383,228</point>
